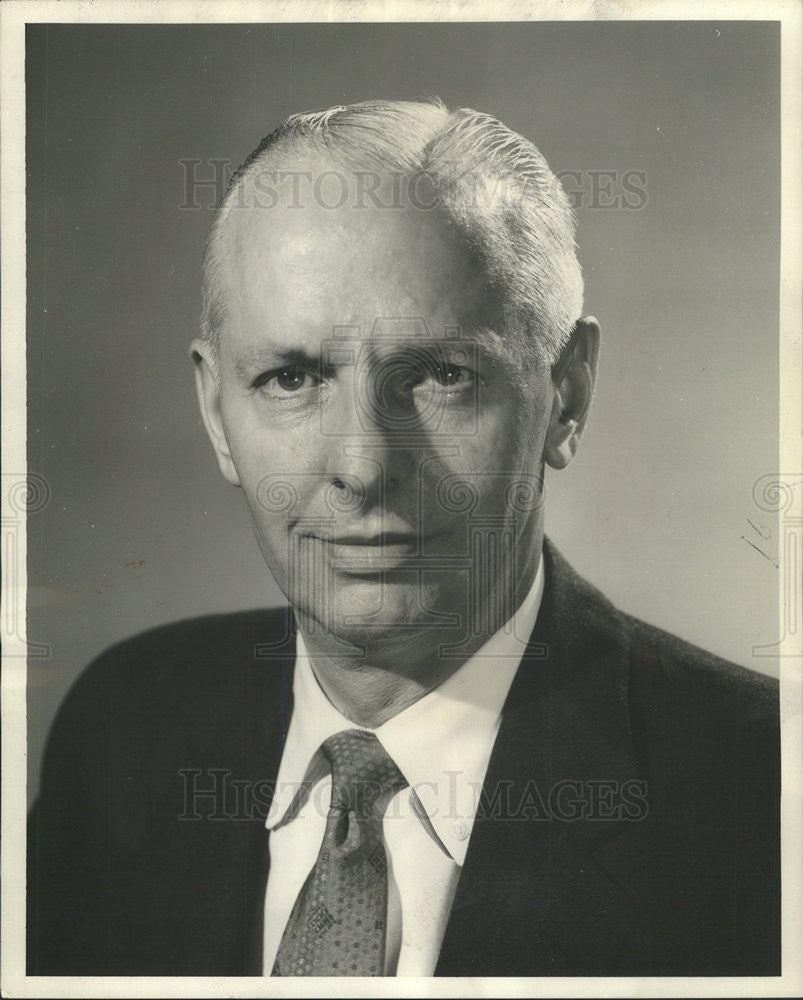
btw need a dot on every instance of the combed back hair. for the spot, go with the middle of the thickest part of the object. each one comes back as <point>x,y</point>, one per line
<point>490,183</point>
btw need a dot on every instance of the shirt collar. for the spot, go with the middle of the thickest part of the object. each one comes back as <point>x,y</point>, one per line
<point>441,743</point>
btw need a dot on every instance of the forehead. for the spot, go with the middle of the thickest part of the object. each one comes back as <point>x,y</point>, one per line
<point>298,266</point>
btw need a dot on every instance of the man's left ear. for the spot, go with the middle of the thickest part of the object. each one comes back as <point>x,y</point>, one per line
<point>573,378</point>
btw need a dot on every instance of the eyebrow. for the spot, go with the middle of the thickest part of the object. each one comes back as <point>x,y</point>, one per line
<point>272,356</point>
<point>489,345</point>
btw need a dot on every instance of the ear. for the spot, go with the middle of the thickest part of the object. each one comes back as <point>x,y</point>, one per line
<point>573,378</point>
<point>207,385</point>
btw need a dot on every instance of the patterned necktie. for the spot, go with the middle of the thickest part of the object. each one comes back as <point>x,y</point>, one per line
<point>337,926</point>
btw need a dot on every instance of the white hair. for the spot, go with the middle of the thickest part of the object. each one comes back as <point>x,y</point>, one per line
<point>492,185</point>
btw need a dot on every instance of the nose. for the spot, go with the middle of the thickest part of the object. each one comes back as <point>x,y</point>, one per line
<point>367,454</point>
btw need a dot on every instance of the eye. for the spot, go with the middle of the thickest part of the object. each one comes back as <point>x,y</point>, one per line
<point>286,381</point>
<point>452,375</point>
<point>440,376</point>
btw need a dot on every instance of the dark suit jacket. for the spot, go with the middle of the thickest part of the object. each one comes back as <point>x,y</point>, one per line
<point>668,865</point>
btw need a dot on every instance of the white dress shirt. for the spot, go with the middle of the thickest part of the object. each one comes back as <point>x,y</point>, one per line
<point>441,744</point>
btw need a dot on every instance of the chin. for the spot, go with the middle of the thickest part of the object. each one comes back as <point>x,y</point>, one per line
<point>365,611</point>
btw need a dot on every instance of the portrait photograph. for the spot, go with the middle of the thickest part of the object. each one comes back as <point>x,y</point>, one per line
<point>402,500</point>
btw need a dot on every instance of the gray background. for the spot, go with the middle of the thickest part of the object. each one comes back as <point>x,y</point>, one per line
<point>141,529</point>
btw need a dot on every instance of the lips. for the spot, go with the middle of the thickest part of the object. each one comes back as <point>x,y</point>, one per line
<point>380,539</point>
<point>357,553</point>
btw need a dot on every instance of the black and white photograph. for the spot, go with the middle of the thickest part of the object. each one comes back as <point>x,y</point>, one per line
<point>402,500</point>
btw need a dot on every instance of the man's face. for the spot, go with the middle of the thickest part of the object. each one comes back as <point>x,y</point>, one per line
<point>388,436</point>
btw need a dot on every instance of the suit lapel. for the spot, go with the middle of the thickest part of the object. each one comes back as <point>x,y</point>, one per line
<point>270,705</point>
<point>544,889</point>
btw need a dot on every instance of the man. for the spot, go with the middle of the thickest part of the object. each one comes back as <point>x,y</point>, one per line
<point>449,755</point>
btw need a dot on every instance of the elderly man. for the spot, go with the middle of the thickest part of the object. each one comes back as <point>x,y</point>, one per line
<point>449,755</point>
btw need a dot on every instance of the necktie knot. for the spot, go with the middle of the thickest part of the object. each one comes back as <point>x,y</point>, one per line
<point>362,770</point>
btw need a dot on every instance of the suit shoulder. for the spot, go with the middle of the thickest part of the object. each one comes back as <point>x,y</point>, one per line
<point>184,658</point>
<point>184,691</point>
<point>668,670</point>
<point>671,678</point>
<point>232,632</point>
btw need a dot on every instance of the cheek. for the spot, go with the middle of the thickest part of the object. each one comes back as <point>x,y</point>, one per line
<point>278,472</point>
<point>501,464</point>
<point>510,437</point>
<point>259,449</point>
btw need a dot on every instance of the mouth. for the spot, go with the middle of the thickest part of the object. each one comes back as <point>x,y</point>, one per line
<point>369,553</point>
<point>383,539</point>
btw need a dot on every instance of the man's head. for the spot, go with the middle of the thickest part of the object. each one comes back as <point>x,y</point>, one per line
<point>390,351</point>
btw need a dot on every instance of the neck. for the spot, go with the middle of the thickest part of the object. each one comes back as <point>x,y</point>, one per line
<point>371,682</point>
<point>365,688</point>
